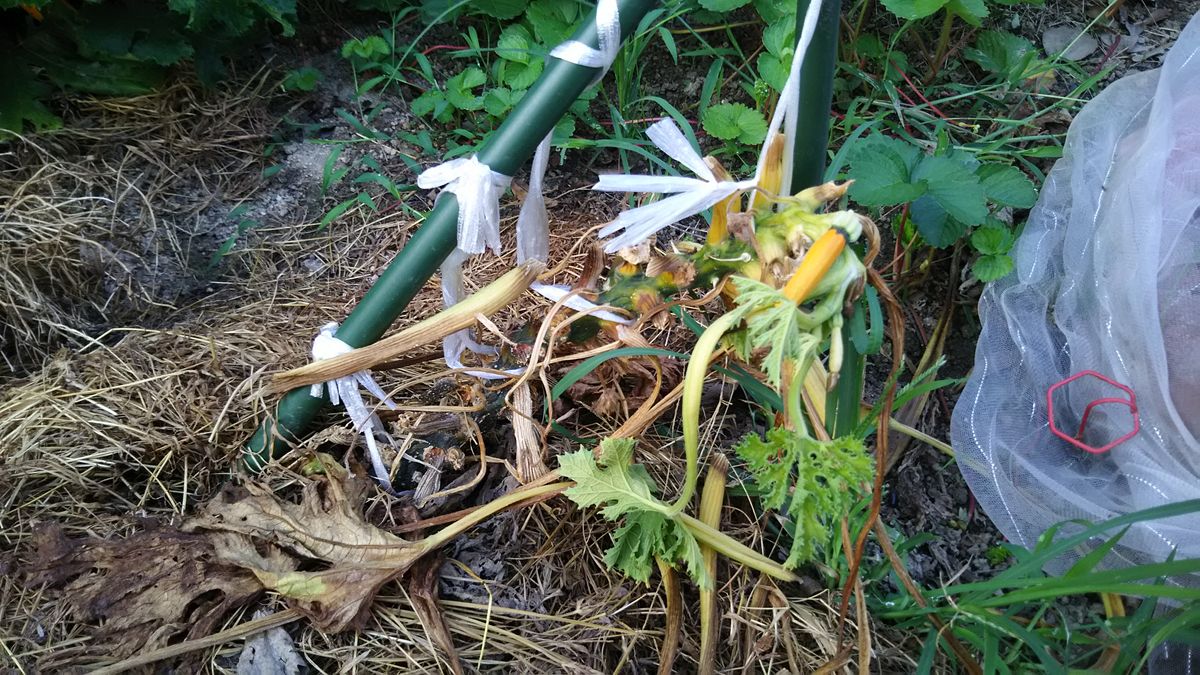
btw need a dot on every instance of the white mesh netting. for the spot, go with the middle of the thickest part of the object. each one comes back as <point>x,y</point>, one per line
<point>1107,279</point>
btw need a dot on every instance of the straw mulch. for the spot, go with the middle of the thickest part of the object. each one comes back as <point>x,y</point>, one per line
<point>124,411</point>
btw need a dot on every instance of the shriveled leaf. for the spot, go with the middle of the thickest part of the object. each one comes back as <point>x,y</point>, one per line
<point>327,525</point>
<point>153,588</point>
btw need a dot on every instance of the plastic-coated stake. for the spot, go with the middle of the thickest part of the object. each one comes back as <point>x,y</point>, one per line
<point>509,148</point>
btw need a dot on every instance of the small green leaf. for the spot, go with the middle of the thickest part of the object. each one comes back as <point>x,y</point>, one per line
<point>913,9</point>
<point>514,44</point>
<point>305,78</point>
<point>1007,186</point>
<point>723,5</point>
<point>499,9</point>
<point>553,21</point>
<point>460,89</point>
<point>772,70</point>
<point>992,240</point>
<point>1001,52</point>
<point>779,37</point>
<point>521,76</point>
<point>500,100</point>
<point>735,121</point>
<point>992,267</point>
<point>367,49</point>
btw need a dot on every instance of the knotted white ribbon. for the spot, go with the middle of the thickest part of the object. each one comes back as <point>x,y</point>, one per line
<point>608,41</point>
<point>478,190</point>
<point>345,391</point>
<point>690,196</point>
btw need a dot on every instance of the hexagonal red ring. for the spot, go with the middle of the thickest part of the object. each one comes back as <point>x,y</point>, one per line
<point>1130,403</point>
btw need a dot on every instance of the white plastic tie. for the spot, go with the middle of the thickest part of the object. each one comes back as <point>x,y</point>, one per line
<point>608,41</point>
<point>533,225</point>
<point>478,191</point>
<point>555,293</point>
<point>346,391</point>
<point>690,196</point>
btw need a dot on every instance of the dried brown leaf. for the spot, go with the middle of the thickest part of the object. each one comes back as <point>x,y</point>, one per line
<point>151,589</point>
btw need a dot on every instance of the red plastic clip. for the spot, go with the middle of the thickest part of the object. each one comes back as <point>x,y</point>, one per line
<point>1130,403</point>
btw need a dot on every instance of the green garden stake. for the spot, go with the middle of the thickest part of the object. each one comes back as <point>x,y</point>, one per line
<point>507,150</point>
<point>808,169</point>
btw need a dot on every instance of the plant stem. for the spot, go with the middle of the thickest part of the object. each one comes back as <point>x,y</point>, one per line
<point>712,499</point>
<point>446,535</point>
<point>693,389</point>
<point>733,549</point>
<point>673,634</point>
<point>943,44</point>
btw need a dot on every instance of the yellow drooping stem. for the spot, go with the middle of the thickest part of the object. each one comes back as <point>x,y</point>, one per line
<point>693,389</point>
<point>815,265</point>
<point>771,182</point>
<point>712,499</point>
<point>718,229</point>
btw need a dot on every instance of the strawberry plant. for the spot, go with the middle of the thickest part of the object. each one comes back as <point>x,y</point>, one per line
<point>946,194</point>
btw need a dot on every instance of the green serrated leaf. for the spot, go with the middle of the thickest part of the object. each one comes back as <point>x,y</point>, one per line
<point>774,11</point>
<point>553,21</point>
<point>829,479</point>
<point>913,9</point>
<point>779,37</point>
<point>880,167</point>
<point>367,49</point>
<point>521,76</point>
<point>992,267</point>
<point>723,5</point>
<point>515,44</point>
<point>971,11</point>
<point>499,9</point>
<point>956,190</point>
<point>933,223</point>
<point>304,78</point>
<point>1007,186</point>
<point>1000,52</point>
<point>625,490</point>
<point>735,122</point>
<point>460,89</point>
<point>992,240</point>
<point>772,70</point>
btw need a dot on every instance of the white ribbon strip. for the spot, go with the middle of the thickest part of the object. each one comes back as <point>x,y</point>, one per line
<point>345,391</point>
<point>554,293</point>
<point>694,195</point>
<point>691,195</point>
<point>533,225</point>
<point>478,190</point>
<point>608,41</point>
